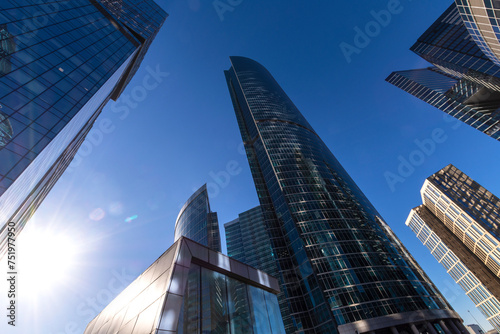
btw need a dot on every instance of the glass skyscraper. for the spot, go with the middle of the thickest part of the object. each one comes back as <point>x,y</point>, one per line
<point>197,222</point>
<point>341,268</point>
<point>247,241</point>
<point>459,223</point>
<point>465,79</point>
<point>192,289</point>
<point>482,19</point>
<point>60,63</point>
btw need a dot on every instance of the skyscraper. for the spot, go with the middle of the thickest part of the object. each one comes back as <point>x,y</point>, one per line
<point>197,222</point>
<point>60,63</point>
<point>481,19</point>
<point>177,294</point>
<point>465,79</point>
<point>341,268</point>
<point>247,241</point>
<point>459,223</point>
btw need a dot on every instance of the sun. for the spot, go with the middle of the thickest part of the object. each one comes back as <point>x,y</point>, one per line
<point>46,259</point>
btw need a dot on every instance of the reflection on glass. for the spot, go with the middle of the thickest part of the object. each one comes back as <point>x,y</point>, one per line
<point>216,304</point>
<point>6,131</point>
<point>239,311</point>
<point>189,317</point>
<point>259,311</point>
<point>213,302</point>
<point>7,47</point>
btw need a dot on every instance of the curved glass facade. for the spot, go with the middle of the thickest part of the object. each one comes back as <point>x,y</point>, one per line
<point>339,263</point>
<point>196,222</point>
<point>482,18</point>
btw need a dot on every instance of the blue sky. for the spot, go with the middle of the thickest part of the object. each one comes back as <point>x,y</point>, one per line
<point>118,202</point>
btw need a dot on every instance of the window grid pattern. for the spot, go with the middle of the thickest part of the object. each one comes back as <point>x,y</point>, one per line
<point>318,220</point>
<point>482,19</point>
<point>60,63</point>
<point>486,123</point>
<point>247,241</point>
<point>15,202</point>
<point>54,71</point>
<point>448,45</point>
<point>468,210</point>
<point>487,303</point>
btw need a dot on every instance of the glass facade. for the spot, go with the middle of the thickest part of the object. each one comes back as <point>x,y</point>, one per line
<point>60,64</point>
<point>340,266</point>
<point>460,192</point>
<point>468,210</point>
<point>196,222</point>
<point>464,81</point>
<point>474,278</point>
<point>192,289</point>
<point>216,303</point>
<point>459,222</point>
<point>482,19</point>
<point>247,241</point>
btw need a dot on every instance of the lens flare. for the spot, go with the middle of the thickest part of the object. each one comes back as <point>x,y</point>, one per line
<point>97,214</point>
<point>131,218</point>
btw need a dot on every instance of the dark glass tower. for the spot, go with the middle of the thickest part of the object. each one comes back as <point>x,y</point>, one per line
<point>341,268</point>
<point>60,63</point>
<point>197,222</point>
<point>459,223</point>
<point>465,79</point>
<point>247,241</point>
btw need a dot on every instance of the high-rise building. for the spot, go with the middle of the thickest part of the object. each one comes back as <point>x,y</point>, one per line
<point>474,329</point>
<point>197,222</point>
<point>341,268</point>
<point>177,294</point>
<point>465,79</point>
<point>481,18</point>
<point>60,63</point>
<point>247,241</point>
<point>458,223</point>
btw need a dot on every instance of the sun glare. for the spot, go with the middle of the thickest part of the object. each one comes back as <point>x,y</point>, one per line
<point>47,259</point>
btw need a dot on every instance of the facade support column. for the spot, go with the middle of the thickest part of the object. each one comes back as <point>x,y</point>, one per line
<point>430,327</point>
<point>394,330</point>
<point>414,329</point>
<point>460,326</point>
<point>445,327</point>
<point>453,326</point>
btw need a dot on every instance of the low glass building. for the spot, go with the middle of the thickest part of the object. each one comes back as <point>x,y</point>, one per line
<point>192,289</point>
